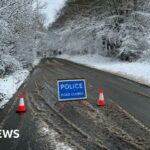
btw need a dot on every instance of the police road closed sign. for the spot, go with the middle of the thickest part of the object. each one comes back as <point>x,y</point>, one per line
<point>71,90</point>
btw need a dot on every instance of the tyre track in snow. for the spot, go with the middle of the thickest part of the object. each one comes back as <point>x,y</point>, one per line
<point>114,111</point>
<point>78,135</point>
<point>111,136</point>
<point>115,141</point>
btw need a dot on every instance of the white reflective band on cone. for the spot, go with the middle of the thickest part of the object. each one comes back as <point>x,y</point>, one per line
<point>21,103</point>
<point>101,97</point>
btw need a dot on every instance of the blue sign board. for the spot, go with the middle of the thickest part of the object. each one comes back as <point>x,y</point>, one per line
<point>71,90</point>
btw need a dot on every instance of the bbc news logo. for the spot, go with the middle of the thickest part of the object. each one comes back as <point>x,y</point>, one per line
<point>9,134</point>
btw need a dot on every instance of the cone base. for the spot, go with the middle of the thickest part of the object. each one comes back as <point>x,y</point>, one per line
<point>101,103</point>
<point>21,109</point>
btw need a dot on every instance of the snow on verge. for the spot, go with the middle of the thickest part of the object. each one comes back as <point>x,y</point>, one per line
<point>10,84</point>
<point>136,71</point>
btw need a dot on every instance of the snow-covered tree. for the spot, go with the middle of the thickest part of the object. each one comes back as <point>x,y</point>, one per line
<point>112,28</point>
<point>20,22</point>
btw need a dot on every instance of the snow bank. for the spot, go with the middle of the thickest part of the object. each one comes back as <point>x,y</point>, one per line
<point>10,84</point>
<point>136,71</point>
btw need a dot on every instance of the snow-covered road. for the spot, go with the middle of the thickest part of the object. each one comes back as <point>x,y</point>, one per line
<point>48,124</point>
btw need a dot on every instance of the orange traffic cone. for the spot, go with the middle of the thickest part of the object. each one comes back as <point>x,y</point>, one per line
<point>101,100</point>
<point>21,107</point>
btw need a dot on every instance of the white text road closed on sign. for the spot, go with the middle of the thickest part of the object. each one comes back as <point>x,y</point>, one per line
<point>72,90</point>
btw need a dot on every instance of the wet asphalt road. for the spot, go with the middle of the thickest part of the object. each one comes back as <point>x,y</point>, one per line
<point>79,125</point>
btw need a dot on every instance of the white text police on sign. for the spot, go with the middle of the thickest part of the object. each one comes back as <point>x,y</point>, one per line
<point>71,90</point>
